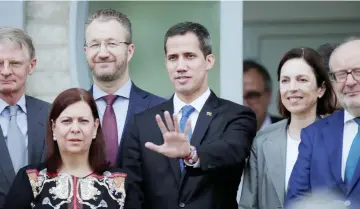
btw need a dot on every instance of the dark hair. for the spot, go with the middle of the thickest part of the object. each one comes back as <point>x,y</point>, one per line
<point>111,14</point>
<point>199,30</point>
<point>97,158</point>
<point>325,52</point>
<point>251,64</point>
<point>325,104</point>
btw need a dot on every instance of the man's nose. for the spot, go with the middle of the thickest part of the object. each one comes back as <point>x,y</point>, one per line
<point>103,51</point>
<point>5,69</point>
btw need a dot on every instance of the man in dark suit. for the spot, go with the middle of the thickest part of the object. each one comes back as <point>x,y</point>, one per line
<point>169,170</point>
<point>109,49</point>
<point>22,118</point>
<point>329,151</point>
<point>257,91</point>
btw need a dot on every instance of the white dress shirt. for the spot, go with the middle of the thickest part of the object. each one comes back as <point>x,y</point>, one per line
<point>21,118</point>
<point>120,105</point>
<point>350,131</point>
<point>292,151</point>
<point>198,104</point>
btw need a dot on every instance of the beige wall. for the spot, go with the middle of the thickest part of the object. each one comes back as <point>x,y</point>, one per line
<point>47,23</point>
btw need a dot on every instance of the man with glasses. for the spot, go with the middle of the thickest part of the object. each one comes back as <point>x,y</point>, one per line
<point>257,91</point>
<point>329,151</point>
<point>109,48</point>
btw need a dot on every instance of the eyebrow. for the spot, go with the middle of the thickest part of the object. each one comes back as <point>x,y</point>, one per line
<point>97,40</point>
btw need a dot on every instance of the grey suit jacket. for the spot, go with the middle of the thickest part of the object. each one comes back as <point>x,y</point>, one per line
<point>264,174</point>
<point>37,115</point>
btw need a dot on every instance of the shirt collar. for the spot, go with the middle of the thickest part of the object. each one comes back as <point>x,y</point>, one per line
<point>21,103</point>
<point>197,104</point>
<point>348,117</point>
<point>123,92</point>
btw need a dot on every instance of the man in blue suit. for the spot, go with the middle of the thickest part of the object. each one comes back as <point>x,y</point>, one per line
<point>329,151</point>
<point>108,50</point>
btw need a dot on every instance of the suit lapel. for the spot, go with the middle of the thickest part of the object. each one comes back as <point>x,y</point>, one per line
<point>333,138</point>
<point>208,112</point>
<point>206,115</point>
<point>5,162</point>
<point>275,151</point>
<point>36,124</point>
<point>174,162</point>
<point>137,103</point>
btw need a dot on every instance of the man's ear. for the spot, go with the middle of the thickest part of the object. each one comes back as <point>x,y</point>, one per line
<point>210,61</point>
<point>32,66</point>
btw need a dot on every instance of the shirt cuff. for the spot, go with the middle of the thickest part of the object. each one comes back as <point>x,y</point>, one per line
<point>197,164</point>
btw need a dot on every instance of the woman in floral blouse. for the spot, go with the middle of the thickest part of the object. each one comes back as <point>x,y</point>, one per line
<point>76,174</point>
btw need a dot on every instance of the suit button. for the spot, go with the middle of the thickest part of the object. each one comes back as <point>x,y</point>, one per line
<point>347,203</point>
<point>181,205</point>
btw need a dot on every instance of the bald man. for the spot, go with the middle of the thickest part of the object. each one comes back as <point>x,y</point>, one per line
<point>329,151</point>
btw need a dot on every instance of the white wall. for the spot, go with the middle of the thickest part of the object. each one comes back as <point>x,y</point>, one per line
<point>12,14</point>
<point>273,28</point>
<point>300,10</point>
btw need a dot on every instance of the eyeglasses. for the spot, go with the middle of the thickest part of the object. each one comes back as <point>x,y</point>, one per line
<point>341,76</point>
<point>108,45</point>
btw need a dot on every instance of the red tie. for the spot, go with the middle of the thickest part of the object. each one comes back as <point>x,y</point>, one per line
<point>110,129</point>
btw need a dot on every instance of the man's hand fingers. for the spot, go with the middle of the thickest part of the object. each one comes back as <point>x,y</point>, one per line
<point>153,147</point>
<point>176,123</point>
<point>161,124</point>
<point>187,128</point>
<point>169,121</point>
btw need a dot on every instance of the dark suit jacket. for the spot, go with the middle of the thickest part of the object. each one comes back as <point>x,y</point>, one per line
<point>319,163</point>
<point>37,115</point>
<point>139,101</point>
<point>222,136</point>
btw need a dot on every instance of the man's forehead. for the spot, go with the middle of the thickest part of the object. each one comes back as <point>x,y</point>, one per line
<point>109,29</point>
<point>346,56</point>
<point>12,48</point>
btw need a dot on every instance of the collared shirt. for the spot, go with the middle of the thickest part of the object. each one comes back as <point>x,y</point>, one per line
<point>198,104</point>
<point>350,131</point>
<point>21,118</point>
<point>266,122</point>
<point>120,105</point>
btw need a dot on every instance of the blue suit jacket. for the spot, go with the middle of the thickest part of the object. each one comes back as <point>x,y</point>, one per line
<point>318,166</point>
<point>139,101</point>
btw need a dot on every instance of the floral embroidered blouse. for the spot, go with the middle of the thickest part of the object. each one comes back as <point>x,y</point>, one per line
<point>37,189</point>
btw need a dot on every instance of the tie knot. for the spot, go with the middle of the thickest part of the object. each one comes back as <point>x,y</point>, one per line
<point>110,99</point>
<point>187,110</point>
<point>13,109</point>
<point>357,120</point>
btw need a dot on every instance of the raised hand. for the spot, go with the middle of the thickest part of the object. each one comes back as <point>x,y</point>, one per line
<point>176,143</point>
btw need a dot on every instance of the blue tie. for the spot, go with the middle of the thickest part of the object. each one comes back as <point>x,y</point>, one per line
<point>353,157</point>
<point>186,112</point>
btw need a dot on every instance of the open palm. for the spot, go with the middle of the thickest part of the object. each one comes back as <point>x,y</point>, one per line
<point>176,144</point>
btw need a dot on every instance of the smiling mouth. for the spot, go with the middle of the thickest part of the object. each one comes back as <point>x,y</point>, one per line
<point>294,98</point>
<point>182,77</point>
<point>352,93</point>
<point>74,140</point>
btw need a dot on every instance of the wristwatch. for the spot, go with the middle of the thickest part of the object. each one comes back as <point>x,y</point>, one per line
<point>190,159</point>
